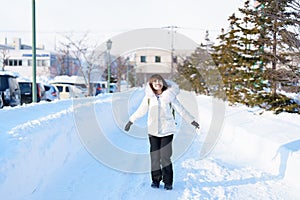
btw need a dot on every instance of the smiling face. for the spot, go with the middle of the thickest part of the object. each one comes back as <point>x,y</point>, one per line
<point>157,85</point>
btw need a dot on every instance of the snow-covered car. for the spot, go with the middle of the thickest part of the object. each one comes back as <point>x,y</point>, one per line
<point>10,94</point>
<point>67,91</point>
<point>51,93</point>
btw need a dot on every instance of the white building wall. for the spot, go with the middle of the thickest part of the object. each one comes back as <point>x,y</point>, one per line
<point>150,66</point>
<point>21,61</point>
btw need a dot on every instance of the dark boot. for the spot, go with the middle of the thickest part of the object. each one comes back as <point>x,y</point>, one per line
<point>168,187</point>
<point>155,184</point>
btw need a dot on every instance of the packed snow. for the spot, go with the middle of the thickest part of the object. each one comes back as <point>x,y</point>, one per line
<point>56,151</point>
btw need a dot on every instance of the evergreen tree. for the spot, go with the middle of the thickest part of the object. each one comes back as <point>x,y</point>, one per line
<point>260,38</point>
<point>237,56</point>
<point>191,74</point>
<point>279,21</point>
<point>198,73</point>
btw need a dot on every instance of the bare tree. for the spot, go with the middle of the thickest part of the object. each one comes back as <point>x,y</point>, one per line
<point>4,55</point>
<point>63,60</point>
<point>122,67</point>
<point>86,56</point>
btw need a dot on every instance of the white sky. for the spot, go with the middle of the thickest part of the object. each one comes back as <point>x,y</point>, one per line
<point>106,18</point>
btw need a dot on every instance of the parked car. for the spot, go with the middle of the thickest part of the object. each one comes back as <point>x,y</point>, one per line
<point>9,89</point>
<point>51,93</point>
<point>67,91</point>
<point>113,88</point>
<point>100,88</point>
<point>26,92</point>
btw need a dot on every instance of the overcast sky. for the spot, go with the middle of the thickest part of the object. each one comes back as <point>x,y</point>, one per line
<point>106,18</point>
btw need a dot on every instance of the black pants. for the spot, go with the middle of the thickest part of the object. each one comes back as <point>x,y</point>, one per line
<point>161,164</point>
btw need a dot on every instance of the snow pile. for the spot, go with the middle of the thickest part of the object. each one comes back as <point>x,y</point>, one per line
<point>42,155</point>
<point>37,149</point>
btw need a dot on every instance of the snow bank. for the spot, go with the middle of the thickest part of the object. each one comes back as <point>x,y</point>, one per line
<point>42,146</point>
<point>268,142</point>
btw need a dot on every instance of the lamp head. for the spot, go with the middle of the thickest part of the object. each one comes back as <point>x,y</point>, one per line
<point>108,44</point>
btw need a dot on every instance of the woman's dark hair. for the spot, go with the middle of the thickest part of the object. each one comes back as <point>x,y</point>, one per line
<point>155,77</point>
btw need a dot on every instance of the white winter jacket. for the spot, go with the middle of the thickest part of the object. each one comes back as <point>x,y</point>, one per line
<point>161,121</point>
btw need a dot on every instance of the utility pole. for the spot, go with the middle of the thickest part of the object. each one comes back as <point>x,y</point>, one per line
<point>172,31</point>
<point>34,89</point>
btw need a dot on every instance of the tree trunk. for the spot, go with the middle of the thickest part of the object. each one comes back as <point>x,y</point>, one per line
<point>274,59</point>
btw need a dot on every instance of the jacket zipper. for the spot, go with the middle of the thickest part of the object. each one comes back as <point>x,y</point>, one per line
<point>158,113</point>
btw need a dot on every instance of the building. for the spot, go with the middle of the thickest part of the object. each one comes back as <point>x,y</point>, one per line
<point>17,57</point>
<point>151,50</point>
<point>148,61</point>
<point>143,62</point>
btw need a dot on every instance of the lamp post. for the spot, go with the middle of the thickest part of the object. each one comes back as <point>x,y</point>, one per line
<point>34,89</point>
<point>108,46</point>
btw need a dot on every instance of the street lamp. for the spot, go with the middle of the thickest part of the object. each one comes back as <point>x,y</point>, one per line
<point>108,46</point>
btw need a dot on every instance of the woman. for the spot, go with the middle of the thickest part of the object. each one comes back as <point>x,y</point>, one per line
<point>159,101</point>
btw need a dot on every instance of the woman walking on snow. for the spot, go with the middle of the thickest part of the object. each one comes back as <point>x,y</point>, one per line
<point>159,101</point>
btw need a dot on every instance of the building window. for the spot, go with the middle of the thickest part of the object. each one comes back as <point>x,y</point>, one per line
<point>13,62</point>
<point>39,63</point>
<point>29,62</point>
<point>44,63</point>
<point>157,59</point>
<point>143,59</point>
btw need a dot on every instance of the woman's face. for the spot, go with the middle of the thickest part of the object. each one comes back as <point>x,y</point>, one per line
<point>157,84</point>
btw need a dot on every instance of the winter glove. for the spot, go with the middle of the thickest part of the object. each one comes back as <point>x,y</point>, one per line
<point>127,127</point>
<point>194,123</point>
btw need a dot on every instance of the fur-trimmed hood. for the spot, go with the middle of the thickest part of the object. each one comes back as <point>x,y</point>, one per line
<point>168,95</point>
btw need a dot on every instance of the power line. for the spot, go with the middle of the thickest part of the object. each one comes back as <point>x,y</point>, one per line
<point>107,30</point>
